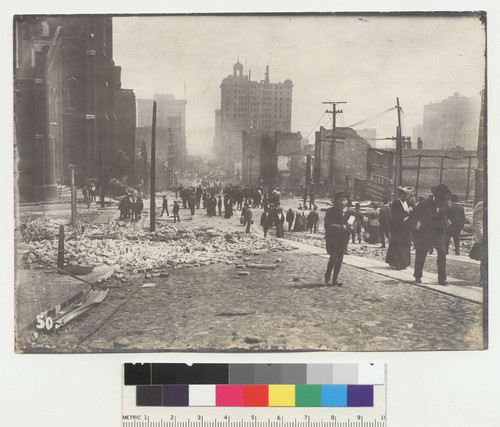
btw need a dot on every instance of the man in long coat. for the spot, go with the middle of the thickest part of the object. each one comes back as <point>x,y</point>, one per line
<point>398,253</point>
<point>431,223</point>
<point>337,236</point>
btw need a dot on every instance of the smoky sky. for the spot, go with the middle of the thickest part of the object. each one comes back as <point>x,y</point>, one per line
<point>365,61</point>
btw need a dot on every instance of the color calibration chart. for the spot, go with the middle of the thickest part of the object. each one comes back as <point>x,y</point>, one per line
<point>254,395</point>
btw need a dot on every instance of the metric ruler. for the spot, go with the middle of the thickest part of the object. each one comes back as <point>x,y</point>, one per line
<point>263,395</point>
<point>260,417</point>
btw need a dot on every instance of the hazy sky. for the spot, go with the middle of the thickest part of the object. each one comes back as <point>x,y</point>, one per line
<point>365,60</point>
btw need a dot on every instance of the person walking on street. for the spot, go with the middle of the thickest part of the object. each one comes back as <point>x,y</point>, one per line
<point>290,216</point>
<point>164,206</point>
<point>139,206</point>
<point>456,214</point>
<point>219,205</point>
<point>337,237</point>
<point>431,224</point>
<point>266,221</point>
<point>313,219</point>
<point>247,216</point>
<point>357,226</point>
<point>92,191</point>
<point>384,219</point>
<point>199,193</point>
<point>175,211</point>
<point>398,253</point>
<point>279,221</point>
<point>191,202</point>
<point>311,199</point>
<point>372,226</point>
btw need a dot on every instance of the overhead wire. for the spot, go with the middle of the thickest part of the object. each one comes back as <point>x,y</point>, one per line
<point>369,119</point>
<point>312,130</point>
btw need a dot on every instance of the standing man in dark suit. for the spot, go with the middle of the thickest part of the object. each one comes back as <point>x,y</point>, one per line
<point>431,223</point>
<point>175,211</point>
<point>164,206</point>
<point>456,214</point>
<point>337,236</point>
<point>266,221</point>
<point>384,219</point>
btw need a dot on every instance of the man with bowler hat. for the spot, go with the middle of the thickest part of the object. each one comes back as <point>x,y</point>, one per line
<point>337,236</point>
<point>431,224</point>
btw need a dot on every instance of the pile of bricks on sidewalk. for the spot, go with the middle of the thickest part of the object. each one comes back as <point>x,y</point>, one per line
<point>133,249</point>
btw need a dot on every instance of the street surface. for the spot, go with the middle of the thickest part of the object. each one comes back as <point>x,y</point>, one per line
<point>211,306</point>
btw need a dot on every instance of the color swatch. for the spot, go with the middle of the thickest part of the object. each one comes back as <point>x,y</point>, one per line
<point>254,385</point>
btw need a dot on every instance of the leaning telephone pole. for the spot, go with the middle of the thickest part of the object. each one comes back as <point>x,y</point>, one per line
<point>333,172</point>
<point>398,173</point>
<point>152,201</point>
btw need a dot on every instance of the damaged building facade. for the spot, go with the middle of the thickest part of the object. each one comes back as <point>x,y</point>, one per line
<point>349,160</point>
<point>170,136</point>
<point>272,159</point>
<point>65,87</point>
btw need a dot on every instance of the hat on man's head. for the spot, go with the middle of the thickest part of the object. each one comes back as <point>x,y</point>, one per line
<point>440,190</point>
<point>341,194</point>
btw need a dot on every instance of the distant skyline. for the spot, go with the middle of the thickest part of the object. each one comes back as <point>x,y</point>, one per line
<point>366,61</point>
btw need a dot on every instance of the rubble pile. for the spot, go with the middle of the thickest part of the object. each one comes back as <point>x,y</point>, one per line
<point>38,229</point>
<point>135,249</point>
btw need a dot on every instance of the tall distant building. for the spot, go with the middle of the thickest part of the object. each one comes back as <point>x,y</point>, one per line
<point>64,106</point>
<point>451,123</point>
<point>170,135</point>
<point>250,106</point>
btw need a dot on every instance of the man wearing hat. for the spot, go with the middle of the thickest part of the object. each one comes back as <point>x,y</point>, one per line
<point>431,224</point>
<point>337,236</point>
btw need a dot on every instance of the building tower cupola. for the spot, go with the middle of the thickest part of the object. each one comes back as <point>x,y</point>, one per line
<point>238,69</point>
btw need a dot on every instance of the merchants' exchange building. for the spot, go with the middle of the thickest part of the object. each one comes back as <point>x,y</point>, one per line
<point>250,106</point>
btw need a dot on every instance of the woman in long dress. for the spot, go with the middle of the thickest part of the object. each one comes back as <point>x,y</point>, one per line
<point>398,253</point>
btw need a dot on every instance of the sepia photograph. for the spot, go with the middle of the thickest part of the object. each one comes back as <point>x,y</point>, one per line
<point>267,182</point>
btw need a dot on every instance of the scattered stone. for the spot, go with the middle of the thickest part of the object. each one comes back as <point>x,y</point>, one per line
<point>252,340</point>
<point>296,279</point>
<point>277,260</point>
<point>262,266</point>
<point>240,265</point>
<point>121,342</point>
<point>148,285</point>
<point>243,273</point>
<point>135,248</point>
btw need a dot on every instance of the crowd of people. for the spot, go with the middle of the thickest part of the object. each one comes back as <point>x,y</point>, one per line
<point>427,223</point>
<point>131,206</point>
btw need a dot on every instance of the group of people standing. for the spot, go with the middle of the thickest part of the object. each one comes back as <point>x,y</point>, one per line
<point>430,223</point>
<point>303,219</point>
<point>130,207</point>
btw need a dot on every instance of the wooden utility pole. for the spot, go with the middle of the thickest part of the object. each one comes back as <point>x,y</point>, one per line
<point>308,174</point>
<point>317,161</point>
<point>332,173</point>
<point>399,146</point>
<point>441,171</point>
<point>73,196</point>
<point>152,202</point>
<point>468,179</point>
<point>398,170</point>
